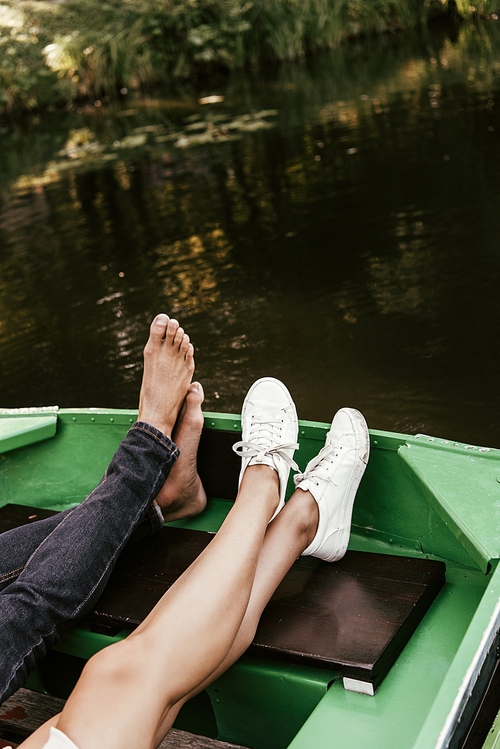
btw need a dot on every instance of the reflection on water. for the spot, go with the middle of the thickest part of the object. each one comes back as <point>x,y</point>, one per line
<point>349,247</point>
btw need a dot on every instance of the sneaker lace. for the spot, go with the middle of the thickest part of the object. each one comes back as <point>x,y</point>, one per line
<point>265,439</point>
<point>319,466</point>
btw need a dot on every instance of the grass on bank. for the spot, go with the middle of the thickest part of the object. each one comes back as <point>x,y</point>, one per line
<point>53,53</point>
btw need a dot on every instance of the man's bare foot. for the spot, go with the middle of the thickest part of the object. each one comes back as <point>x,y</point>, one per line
<point>182,494</point>
<point>168,369</point>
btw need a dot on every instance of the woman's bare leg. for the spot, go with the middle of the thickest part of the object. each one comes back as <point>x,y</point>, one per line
<point>287,536</point>
<point>316,520</point>
<point>40,737</point>
<point>184,639</point>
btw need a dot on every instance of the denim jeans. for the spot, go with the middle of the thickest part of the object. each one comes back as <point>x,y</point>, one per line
<point>53,571</point>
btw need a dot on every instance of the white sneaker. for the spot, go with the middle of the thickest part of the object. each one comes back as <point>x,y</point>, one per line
<point>333,478</point>
<point>270,429</point>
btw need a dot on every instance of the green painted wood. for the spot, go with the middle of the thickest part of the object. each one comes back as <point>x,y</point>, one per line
<point>394,717</point>
<point>462,485</point>
<point>20,431</point>
<point>493,738</point>
<point>407,504</point>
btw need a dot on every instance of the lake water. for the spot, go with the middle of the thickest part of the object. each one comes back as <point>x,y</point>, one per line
<point>334,223</point>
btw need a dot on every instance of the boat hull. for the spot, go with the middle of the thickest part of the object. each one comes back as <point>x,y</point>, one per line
<point>421,497</point>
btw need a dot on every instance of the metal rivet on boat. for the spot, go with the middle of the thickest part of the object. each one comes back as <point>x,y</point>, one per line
<point>375,443</point>
<point>93,418</point>
<point>111,419</point>
<point>498,479</point>
<point>74,418</point>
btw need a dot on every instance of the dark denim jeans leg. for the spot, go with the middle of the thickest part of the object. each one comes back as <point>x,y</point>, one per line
<point>75,554</point>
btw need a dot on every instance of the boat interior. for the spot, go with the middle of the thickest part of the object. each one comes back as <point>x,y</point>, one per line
<point>397,642</point>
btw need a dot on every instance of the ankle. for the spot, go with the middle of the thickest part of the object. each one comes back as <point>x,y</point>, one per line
<point>266,477</point>
<point>261,482</point>
<point>305,514</point>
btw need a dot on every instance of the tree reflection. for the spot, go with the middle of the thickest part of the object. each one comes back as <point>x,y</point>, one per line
<point>351,249</point>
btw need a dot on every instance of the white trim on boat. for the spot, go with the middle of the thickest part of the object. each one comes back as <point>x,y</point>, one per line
<point>470,678</point>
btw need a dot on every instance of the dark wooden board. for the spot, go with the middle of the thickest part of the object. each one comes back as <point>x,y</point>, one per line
<point>355,615</point>
<point>11,516</point>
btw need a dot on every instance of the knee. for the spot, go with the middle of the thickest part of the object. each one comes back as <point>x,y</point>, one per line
<point>114,665</point>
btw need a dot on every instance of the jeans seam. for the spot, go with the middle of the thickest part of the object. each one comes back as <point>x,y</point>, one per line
<point>162,442</point>
<point>157,514</point>
<point>110,561</point>
<point>11,573</point>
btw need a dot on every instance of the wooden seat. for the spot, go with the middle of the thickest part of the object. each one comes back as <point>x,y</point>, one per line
<point>354,616</point>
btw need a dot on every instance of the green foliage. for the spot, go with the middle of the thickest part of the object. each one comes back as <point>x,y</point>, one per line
<point>25,80</point>
<point>138,43</point>
<point>56,52</point>
<point>286,29</point>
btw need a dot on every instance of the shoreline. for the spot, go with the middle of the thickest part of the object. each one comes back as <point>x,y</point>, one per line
<point>55,53</point>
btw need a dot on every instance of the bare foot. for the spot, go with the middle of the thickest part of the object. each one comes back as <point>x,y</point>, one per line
<point>168,369</point>
<point>183,494</point>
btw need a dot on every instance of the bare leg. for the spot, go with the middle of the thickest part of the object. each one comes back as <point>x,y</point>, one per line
<point>286,537</point>
<point>184,639</point>
<point>40,737</point>
<point>183,494</point>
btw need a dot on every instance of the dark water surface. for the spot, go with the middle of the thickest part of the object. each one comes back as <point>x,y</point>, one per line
<point>345,240</point>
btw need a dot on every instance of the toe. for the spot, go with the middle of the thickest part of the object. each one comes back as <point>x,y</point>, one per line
<point>179,335</point>
<point>184,344</point>
<point>172,329</point>
<point>195,394</point>
<point>157,331</point>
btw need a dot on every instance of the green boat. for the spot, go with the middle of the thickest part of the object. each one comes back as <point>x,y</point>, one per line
<point>427,505</point>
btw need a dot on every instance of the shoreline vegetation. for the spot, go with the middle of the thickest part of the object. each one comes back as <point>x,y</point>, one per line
<point>54,53</point>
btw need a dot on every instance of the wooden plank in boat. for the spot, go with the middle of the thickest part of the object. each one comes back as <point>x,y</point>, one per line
<point>11,516</point>
<point>355,615</point>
